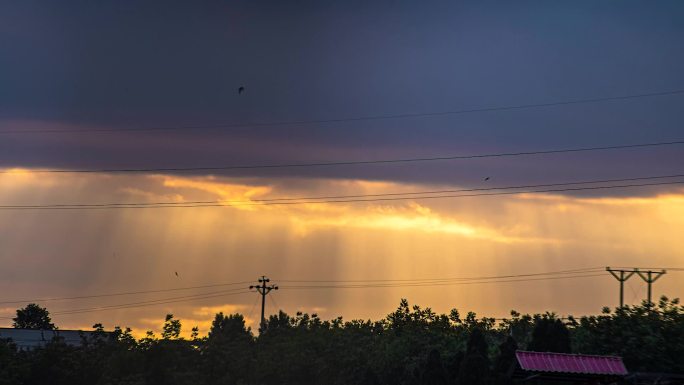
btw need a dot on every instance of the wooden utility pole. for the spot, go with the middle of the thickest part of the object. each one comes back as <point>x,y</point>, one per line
<point>263,289</point>
<point>649,277</point>
<point>621,276</point>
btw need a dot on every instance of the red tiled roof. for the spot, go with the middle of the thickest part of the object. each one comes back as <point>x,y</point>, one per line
<point>570,363</point>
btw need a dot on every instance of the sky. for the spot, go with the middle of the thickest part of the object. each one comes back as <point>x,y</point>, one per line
<point>92,86</point>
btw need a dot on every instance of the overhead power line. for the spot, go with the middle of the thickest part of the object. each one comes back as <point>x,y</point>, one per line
<point>331,197</point>
<point>138,292</point>
<point>438,283</point>
<point>162,301</point>
<point>652,268</point>
<point>349,162</point>
<point>386,199</point>
<point>452,279</point>
<point>589,274</point>
<point>118,294</point>
<point>564,274</point>
<point>153,302</point>
<point>353,284</point>
<point>343,119</point>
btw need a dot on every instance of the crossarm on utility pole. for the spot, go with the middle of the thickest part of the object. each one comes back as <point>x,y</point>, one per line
<point>623,276</point>
<point>650,277</point>
<point>263,290</point>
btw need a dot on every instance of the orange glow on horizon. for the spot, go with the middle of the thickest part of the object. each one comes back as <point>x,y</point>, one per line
<point>115,250</point>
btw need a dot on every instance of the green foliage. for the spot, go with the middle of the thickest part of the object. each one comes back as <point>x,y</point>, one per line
<point>33,317</point>
<point>549,335</point>
<point>649,338</point>
<point>411,346</point>
<point>172,328</point>
<point>12,367</point>
<point>475,366</point>
<point>228,350</point>
<point>505,362</point>
<point>434,373</point>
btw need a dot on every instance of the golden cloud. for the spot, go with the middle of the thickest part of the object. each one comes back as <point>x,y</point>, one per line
<point>401,239</point>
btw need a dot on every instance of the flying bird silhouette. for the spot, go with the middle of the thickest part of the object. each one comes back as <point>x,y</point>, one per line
<point>241,90</point>
<point>176,273</point>
<point>486,179</point>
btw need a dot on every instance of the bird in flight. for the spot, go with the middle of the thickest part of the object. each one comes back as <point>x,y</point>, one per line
<point>486,179</point>
<point>241,90</point>
<point>176,273</point>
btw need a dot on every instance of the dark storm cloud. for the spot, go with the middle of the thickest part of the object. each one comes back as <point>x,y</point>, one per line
<point>129,64</point>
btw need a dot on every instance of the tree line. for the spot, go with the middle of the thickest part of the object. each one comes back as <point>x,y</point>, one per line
<point>411,346</point>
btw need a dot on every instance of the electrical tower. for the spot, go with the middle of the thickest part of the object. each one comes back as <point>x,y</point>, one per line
<point>263,289</point>
<point>649,277</point>
<point>622,276</point>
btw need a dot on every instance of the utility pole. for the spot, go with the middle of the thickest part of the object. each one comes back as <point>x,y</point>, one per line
<point>649,277</point>
<point>263,289</point>
<point>621,276</point>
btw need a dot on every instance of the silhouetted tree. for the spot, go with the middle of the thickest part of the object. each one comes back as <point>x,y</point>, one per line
<point>13,369</point>
<point>475,365</point>
<point>227,350</point>
<point>453,365</point>
<point>56,363</point>
<point>171,328</point>
<point>370,378</point>
<point>171,360</point>
<point>550,335</point>
<point>505,362</point>
<point>33,317</point>
<point>477,343</point>
<point>649,338</point>
<point>411,346</point>
<point>434,373</point>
